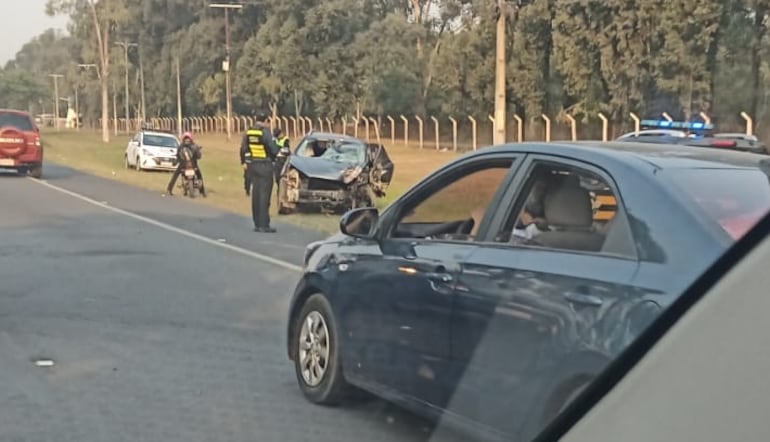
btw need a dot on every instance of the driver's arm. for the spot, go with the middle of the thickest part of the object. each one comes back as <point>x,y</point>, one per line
<point>477,214</point>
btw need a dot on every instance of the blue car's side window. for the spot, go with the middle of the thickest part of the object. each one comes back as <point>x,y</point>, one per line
<point>568,208</point>
<point>456,209</point>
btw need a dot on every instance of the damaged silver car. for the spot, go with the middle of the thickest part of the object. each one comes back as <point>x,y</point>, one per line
<point>334,172</point>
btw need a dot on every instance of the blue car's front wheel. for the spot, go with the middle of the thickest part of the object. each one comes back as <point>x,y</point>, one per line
<point>316,359</point>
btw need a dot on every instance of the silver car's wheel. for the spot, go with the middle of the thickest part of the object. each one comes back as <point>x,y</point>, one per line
<point>313,348</point>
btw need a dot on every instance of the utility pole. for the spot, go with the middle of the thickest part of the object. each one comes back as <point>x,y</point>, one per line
<point>125,46</point>
<point>226,64</point>
<point>77,109</point>
<point>141,83</point>
<point>178,100</point>
<point>500,101</point>
<point>114,109</point>
<point>56,78</point>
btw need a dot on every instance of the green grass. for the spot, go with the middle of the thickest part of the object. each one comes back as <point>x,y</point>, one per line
<point>221,170</point>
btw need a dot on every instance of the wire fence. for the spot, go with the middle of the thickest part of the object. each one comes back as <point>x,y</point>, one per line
<point>452,133</point>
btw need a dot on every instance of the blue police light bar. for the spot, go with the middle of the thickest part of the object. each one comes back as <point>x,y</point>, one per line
<point>686,125</point>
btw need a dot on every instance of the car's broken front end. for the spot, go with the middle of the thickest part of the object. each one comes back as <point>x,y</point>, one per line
<point>348,175</point>
<point>345,190</point>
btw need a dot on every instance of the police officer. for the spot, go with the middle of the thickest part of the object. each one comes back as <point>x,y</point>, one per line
<point>283,153</point>
<point>258,152</point>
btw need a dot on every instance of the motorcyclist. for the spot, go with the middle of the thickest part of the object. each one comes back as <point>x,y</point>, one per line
<point>187,150</point>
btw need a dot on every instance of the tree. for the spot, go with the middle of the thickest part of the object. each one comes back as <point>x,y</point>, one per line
<point>327,57</point>
<point>105,16</point>
<point>689,29</point>
<point>18,90</point>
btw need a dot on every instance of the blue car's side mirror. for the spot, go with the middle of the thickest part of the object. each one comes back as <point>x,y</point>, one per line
<point>360,223</point>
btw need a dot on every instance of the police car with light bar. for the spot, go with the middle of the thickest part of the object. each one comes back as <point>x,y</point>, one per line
<point>693,133</point>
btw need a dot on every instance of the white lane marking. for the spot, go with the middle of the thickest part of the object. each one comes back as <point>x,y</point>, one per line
<point>170,228</point>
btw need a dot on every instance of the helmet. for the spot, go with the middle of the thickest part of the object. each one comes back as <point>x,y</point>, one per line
<point>187,135</point>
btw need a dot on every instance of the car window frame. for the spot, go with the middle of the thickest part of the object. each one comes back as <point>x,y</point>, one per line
<point>388,221</point>
<point>511,204</point>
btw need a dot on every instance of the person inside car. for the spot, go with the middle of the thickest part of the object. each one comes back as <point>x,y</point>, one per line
<point>319,147</point>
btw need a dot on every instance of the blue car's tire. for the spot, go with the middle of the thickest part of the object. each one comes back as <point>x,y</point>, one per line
<point>317,357</point>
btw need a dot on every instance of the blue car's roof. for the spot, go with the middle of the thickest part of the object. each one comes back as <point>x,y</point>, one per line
<point>660,156</point>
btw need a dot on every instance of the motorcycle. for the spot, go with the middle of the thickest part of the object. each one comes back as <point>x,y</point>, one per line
<point>190,181</point>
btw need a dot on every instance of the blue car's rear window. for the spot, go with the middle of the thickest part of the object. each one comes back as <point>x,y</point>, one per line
<point>734,198</point>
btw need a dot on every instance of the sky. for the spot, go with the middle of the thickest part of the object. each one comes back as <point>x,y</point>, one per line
<point>24,20</point>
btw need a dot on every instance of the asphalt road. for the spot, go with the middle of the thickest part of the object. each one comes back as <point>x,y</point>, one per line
<point>163,321</point>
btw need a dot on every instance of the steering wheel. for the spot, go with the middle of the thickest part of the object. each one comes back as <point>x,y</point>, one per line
<point>465,227</point>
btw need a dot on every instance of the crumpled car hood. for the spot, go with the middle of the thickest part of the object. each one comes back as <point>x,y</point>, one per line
<point>319,168</point>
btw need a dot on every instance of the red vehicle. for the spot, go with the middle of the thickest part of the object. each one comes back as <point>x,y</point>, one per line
<point>20,147</point>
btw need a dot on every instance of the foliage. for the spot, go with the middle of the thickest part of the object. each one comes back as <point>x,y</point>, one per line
<point>428,57</point>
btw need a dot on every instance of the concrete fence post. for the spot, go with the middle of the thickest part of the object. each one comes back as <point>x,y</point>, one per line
<point>474,132</point>
<point>605,127</point>
<point>406,130</point>
<point>420,130</point>
<point>547,127</point>
<point>637,123</point>
<point>454,133</point>
<point>749,123</point>
<point>436,129</point>
<point>519,128</point>
<point>494,126</point>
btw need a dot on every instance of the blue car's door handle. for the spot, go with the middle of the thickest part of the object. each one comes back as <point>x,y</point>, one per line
<point>583,298</point>
<point>439,277</point>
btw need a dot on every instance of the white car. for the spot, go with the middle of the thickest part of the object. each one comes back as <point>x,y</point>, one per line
<point>152,150</point>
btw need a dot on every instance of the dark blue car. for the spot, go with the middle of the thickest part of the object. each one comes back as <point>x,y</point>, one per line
<point>495,290</point>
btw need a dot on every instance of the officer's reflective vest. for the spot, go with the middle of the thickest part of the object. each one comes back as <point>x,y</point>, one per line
<point>256,148</point>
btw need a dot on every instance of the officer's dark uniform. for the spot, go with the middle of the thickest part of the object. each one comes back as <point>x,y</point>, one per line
<point>258,152</point>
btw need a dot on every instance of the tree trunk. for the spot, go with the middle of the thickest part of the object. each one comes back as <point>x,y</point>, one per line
<point>105,111</point>
<point>103,42</point>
